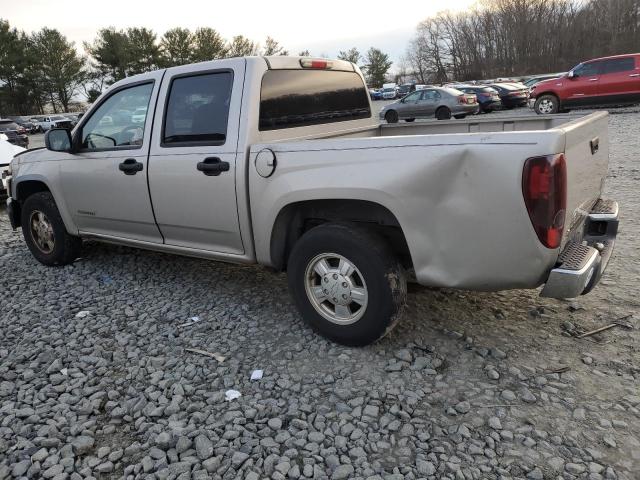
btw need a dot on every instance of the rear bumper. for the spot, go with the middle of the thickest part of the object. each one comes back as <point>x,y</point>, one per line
<point>583,261</point>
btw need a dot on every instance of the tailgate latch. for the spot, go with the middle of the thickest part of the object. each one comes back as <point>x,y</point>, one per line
<point>595,145</point>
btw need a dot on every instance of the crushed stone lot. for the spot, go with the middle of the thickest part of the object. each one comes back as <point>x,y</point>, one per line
<point>96,382</point>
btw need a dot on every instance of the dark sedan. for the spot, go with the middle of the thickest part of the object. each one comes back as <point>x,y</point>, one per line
<point>511,96</point>
<point>15,133</point>
<point>488,97</point>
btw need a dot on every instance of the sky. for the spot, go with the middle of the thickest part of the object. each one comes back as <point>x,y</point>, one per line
<point>321,26</point>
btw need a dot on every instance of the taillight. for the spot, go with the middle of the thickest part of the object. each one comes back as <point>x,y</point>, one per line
<point>462,99</point>
<point>544,187</point>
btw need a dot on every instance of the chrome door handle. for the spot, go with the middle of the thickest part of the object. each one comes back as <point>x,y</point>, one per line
<point>635,75</point>
<point>593,79</point>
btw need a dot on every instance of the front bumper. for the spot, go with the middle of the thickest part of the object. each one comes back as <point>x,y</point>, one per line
<point>583,260</point>
<point>13,212</point>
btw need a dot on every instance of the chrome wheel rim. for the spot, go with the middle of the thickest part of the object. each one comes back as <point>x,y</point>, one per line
<point>545,106</point>
<point>336,288</point>
<point>41,231</point>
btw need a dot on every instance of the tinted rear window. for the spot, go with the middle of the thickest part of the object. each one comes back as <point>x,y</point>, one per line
<point>298,98</point>
<point>615,65</point>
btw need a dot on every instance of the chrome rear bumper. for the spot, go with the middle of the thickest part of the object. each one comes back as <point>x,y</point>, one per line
<point>582,263</point>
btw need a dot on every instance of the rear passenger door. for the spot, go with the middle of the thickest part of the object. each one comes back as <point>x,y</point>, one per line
<point>428,103</point>
<point>192,163</point>
<point>619,80</point>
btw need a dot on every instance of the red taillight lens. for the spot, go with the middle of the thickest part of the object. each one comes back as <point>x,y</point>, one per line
<point>462,99</point>
<point>315,63</point>
<point>544,187</point>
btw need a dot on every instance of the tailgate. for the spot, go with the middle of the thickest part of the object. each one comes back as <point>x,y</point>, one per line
<point>587,156</point>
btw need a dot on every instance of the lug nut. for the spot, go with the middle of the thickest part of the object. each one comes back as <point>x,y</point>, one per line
<point>335,276</point>
<point>326,291</point>
<point>344,284</point>
<point>326,279</point>
<point>344,295</point>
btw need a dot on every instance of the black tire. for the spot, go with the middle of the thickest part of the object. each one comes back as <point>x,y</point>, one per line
<point>381,273</point>
<point>391,116</point>
<point>443,113</point>
<point>459,117</point>
<point>547,105</point>
<point>409,119</point>
<point>65,248</point>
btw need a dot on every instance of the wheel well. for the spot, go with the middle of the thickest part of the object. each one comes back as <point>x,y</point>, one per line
<point>295,219</point>
<point>539,95</point>
<point>442,107</point>
<point>29,187</point>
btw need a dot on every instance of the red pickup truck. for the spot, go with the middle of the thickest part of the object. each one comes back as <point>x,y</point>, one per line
<point>596,83</point>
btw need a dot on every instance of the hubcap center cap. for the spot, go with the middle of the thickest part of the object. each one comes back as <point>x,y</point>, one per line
<point>337,287</point>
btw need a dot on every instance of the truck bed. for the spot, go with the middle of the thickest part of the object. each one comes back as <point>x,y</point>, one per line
<point>456,186</point>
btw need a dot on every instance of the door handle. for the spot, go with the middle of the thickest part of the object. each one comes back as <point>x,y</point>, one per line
<point>635,75</point>
<point>213,166</point>
<point>130,166</point>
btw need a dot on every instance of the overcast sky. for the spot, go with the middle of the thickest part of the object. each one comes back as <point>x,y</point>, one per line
<point>322,26</point>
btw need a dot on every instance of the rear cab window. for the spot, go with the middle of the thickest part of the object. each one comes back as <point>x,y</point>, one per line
<point>299,98</point>
<point>615,65</point>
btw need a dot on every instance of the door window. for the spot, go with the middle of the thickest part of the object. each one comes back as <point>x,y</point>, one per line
<point>117,122</point>
<point>197,110</point>
<point>587,69</point>
<point>616,65</point>
<point>430,95</point>
<point>414,97</point>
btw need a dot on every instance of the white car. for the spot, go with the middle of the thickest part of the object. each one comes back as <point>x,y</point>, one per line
<point>54,121</point>
<point>139,115</point>
<point>7,151</point>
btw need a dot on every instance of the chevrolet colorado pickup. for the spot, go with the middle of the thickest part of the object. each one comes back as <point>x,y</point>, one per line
<point>280,161</point>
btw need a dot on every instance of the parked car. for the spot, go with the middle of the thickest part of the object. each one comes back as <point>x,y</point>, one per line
<point>139,115</point>
<point>7,152</point>
<point>488,97</point>
<point>375,94</point>
<point>26,123</point>
<point>16,134</point>
<point>47,122</point>
<point>601,82</point>
<point>530,82</point>
<point>406,89</point>
<point>511,96</point>
<point>285,165</point>
<point>389,91</point>
<point>439,102</point>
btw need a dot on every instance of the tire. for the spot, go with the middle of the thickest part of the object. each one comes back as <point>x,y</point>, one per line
<point>391,116</point>
<point>443,113</point>
<point>459,117</point>
<point>409,120</point>
<point>376,275</point>
<point>45,233</point>
<point>547,105</point>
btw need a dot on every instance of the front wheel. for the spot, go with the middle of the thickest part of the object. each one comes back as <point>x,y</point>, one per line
<point>391,116</point>
<point>546,104</point>
<point>347,283</point>
<point>45,233</point>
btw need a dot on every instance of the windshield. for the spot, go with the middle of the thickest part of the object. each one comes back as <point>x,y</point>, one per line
<point>388,89</point>
<point>58,118</point>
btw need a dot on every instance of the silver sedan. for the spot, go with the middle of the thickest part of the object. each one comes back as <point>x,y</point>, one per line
<point>439,102</point>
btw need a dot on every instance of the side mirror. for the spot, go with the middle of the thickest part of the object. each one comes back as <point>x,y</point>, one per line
<point>571,74</point>
<point>58,140</point>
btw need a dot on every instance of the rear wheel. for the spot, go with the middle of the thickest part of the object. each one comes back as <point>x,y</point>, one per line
<point>443,113</point>
<point>391,116</point>
<point>347,283</point>
<point>45,233</point>
<point>546,105</point>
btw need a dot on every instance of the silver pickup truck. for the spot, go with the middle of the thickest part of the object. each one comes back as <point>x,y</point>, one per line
<point>280,161</point>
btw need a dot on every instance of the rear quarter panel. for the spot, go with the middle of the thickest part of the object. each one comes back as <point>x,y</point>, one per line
<point>457,197</point>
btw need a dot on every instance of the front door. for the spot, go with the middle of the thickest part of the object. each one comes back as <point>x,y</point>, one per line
<point>583,87</point>
<point>105,182</point>
<point>409,105</point>
<point>193,157</point>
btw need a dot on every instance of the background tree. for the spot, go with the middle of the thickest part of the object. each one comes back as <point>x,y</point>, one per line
<point>241,46</point>
<point>143,51</point>
<point>208,44</point>
<point>110,53</point>
<point>377,64</point>
<point>304,53</point>
<point>61,67</point>
<point>272,47</point>
<point>352,55</point>
<point>177,47</point>
<point>13,65</point>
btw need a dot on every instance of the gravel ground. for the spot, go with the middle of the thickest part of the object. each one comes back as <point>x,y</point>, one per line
<point>96,382</point>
